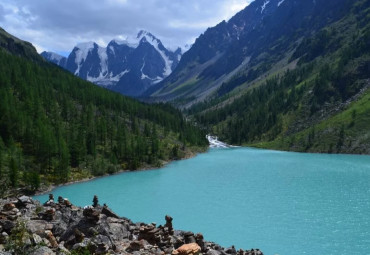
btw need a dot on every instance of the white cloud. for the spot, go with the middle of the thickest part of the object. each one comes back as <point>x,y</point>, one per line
<point>58,25</point>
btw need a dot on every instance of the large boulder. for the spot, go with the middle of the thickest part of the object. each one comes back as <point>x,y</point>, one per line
<point>213,252</point>
<point>187,249</point>
<point>38,227</point>
<point>43,250</point>
<point>24,200</point>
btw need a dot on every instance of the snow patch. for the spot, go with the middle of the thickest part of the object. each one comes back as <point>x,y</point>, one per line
<point>112,50</point>
<point>130,43</point>
<point>282,1</point>
<point>102,52</point>
<point>107,80</point>
<point>82,51</point>
<point>54,56</point>
<point>144,76</point>
<point>264,5</point>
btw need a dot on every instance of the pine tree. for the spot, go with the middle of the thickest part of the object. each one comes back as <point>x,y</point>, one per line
<point>13,172</point>
<point>62,170</point>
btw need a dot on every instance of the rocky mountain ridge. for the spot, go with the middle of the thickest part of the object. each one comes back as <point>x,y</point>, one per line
<point>253,42</point>
<point>126,66</point>
<point>58,227</point>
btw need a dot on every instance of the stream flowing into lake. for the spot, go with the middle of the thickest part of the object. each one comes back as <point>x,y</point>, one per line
<point>281,202</point>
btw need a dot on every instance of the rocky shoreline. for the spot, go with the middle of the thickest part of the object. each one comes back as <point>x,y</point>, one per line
<point>58,227</point>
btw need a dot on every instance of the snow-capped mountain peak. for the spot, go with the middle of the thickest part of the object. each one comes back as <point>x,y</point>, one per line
<point>85,45</point>
<point>82,49</point>
<point>147,35</point>
<point>131,43</point>
<point>128,65</point>
<point>54,58</point>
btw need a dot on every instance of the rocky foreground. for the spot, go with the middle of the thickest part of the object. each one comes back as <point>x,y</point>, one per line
<point>27,227</point>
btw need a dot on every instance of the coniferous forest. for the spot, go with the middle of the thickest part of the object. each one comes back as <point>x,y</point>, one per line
<point>55,128</point>
<point>320,105</point>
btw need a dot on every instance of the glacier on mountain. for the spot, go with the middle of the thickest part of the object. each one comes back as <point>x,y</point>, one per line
<point>126,64</point>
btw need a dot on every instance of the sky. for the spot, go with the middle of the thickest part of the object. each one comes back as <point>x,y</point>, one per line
<point>58,25</point>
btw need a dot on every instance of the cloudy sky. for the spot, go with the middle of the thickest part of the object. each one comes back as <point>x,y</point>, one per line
<point>58,25</point>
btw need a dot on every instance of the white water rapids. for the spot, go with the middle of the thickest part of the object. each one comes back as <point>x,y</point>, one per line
<point>215,143</point>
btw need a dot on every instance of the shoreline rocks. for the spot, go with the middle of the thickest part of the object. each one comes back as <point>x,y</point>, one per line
<point>27,227</point>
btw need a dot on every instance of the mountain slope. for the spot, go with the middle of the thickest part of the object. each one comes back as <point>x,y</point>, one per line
<point>55,127</point>
<point>128,67</point>
<point>256,39</point>
<point>315,99</point>
<point>18,47</point>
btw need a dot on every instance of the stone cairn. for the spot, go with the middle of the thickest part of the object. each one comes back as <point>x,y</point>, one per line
<point>95,201</point>
<point>61,228</point>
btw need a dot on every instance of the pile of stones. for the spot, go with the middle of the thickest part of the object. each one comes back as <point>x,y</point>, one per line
<point>59,227</point>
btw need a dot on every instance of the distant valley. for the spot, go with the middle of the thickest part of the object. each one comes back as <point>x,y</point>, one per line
<point>282,74</point>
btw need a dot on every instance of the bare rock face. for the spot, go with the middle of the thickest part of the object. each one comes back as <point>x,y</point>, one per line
<point>63,228</point>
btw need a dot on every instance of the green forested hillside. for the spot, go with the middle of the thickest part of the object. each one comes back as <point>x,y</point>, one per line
<point>55,127</point>
<point>318,101</point>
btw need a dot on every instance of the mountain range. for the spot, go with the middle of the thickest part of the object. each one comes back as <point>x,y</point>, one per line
<point>281,74</point>
<point>258,39</point>
<point>126,66</point>
<point>287,75</point>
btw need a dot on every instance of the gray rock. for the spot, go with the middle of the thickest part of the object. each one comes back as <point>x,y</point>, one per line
<point>36,239</point>
<point>62,250</point>
<point>231,250</point>
<point>37,227</point>
<point>3,238</point>
<point>7,225</point>
<point>109,212</point>
<point>189,237</point>
<point>99,229</point>
<point>42,251</point>
<point>213,252</point>
<point>5,253</point>
<point>23,200</point>
<point>79,246</point>
<point>135,246</point>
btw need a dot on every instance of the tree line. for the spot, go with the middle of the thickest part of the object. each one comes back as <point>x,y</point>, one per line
<point>53,124</point>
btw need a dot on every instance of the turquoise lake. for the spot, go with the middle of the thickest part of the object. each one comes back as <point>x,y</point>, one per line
<point>281,202</point>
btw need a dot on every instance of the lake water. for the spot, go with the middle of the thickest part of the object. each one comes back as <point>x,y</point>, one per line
<point>283,203</point>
